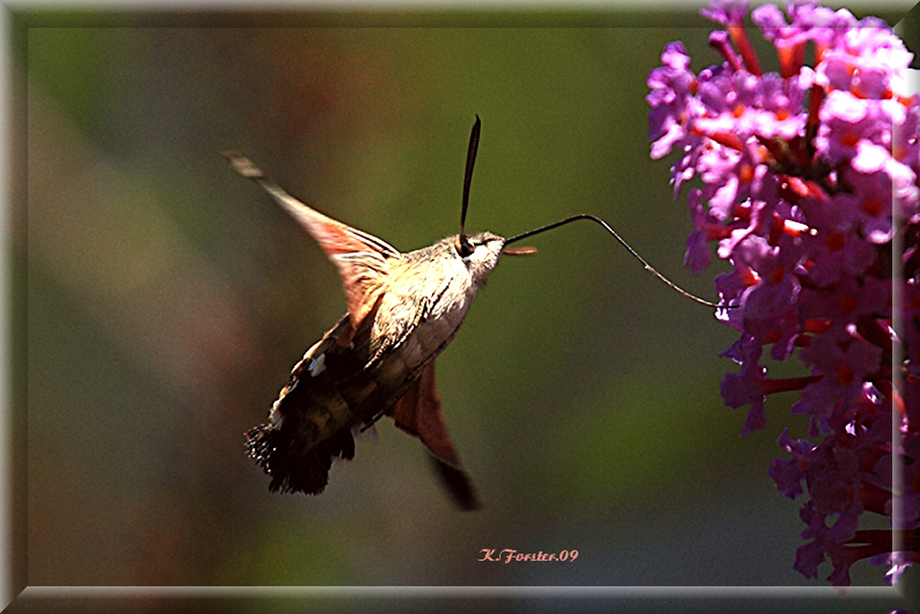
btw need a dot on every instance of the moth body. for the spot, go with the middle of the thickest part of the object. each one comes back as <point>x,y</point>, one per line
<point>403,310</point>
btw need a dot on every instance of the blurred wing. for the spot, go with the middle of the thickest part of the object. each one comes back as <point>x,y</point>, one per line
<point>420,414</point>
<point>361,258</point>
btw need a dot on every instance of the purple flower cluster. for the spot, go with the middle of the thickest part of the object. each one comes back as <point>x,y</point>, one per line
<point>798,173</point>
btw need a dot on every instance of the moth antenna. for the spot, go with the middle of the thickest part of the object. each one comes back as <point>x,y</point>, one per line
<point>635,254</point>
<point>464,245</point>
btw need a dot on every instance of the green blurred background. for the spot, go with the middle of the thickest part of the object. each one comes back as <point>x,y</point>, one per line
<point>168,299</point>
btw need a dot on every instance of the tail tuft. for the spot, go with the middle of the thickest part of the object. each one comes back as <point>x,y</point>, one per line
<point>293,469</point>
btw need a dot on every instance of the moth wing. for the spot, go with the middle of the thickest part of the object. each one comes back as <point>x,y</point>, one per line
<point>419,413</point>
<point>459,484</point>
<point>361,258</point>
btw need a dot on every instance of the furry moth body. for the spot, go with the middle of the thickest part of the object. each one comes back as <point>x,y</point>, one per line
<point>403,310</point>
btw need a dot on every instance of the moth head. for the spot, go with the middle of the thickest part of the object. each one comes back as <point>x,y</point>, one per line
<point>479,251</point>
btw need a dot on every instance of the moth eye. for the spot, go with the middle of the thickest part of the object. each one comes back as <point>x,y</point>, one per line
<point>464,247</point>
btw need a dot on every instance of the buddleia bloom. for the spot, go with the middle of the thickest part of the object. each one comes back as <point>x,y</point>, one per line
<point>805,179</point>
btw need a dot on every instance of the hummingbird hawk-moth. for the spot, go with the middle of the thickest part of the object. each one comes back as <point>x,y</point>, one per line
<point>378,359</point>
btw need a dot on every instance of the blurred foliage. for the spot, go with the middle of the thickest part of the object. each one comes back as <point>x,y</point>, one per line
<point>168,299</point>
